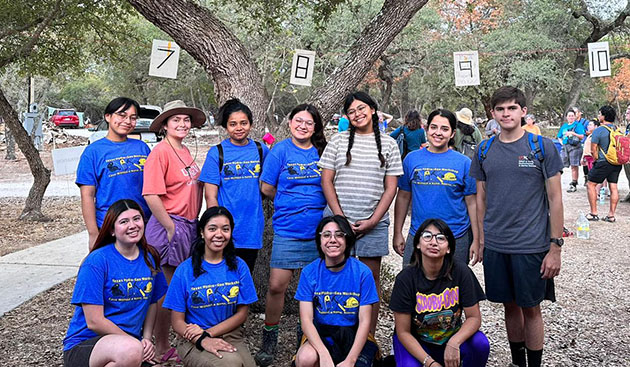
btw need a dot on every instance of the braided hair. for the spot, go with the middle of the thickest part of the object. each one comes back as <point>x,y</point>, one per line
<point>363,97</point>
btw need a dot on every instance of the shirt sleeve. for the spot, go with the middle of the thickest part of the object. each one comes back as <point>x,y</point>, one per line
<point>561,131</point>
<point>597,135</point>
<point>368,288</point>
<point>470,185</point>
<point>90,284</point>
<point>470,291</point>
<point>476,171</point>
<point>176,294</point>
<point>305,285</point>
<point>404,182</point>
<point>272,166</point>
<point>394,134</point>
<point>159,287</point>
<point>247,292</point>
<point>327,161</point>
<point>210,171</point>
<point>552,161</point>
<point>403,298</point>
<point>154,173</point>
<point>86,171</point>
<point>423,136</point>
<point>393,162</point>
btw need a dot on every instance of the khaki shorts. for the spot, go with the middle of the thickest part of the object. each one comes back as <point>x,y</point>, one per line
<point>193,357</point>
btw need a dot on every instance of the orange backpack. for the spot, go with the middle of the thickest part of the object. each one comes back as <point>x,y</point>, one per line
<point>619,147</point>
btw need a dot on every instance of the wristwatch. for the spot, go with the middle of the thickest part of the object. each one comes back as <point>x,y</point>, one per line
<point>558,241</point>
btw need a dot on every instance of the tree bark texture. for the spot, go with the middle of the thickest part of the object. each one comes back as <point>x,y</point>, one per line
<point>8,137</point>
<point>33,206</point>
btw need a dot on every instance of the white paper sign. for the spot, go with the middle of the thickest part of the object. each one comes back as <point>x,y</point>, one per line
<point>466,68</point>
<point>302,68</point>
<point>599,59</point>
<point>164,59</point>
<point>66,160</point>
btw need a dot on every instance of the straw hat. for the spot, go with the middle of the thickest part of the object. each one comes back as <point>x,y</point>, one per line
<point>465,115</point>
<point>178,107</point>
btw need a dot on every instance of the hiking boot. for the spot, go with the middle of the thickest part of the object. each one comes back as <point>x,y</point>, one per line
<point>267,351</point>
<point>572,188</point>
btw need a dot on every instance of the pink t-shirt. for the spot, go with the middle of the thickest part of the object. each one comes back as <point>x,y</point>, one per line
<point>166,175</point>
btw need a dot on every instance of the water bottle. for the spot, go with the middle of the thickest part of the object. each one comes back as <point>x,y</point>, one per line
<point>583,227</point>
<point>602,195</point>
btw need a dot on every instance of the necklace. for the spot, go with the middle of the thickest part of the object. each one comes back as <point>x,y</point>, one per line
<point>337,265</point>
<point>186,166</point>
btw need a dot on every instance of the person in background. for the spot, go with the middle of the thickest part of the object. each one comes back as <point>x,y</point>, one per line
<point>292,179</point>
<point>626,167</point>
<point>429,331</point>
<point>117,288</point>
<point>467,136</point>
<point>570,135</point>
<point>383,120</point>
<point>343,124</point>
<point>530,125</point>
<point>414,134</point>
<point>174,193</point>
<point>492,128</point>
<point>579,118</point>
<point>112,168</point>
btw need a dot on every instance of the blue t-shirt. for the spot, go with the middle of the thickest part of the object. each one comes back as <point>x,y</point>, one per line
<point>343,124</point>
<point>576,127</point>
<point>337,296</point>
<point>212,297</point>
<point>116,170</point>
<point>415,138</point>
<point>439,183</point>
<point>601,137</point>
<point>125,288</point>
<point>299,202</point>
<point>239,190</point>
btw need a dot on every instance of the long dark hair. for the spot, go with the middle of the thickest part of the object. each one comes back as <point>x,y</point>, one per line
<point>199,245</point>
<point>450,116</point>
<point>231,106</point>
<point>363,97</point>
<point>412,120</point>
<point>448,258</point>
<point>106,236</point>
<point>344,226</point>
<point>317,139</point>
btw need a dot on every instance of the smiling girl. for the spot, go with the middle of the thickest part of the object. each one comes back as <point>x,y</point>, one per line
<point>230,175</point>
<point>291,177</point>
<point>210,296</point>
<point>360,169</point>
<point>437,183</point>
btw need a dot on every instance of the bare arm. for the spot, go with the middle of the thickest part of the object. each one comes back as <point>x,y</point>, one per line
<point>328,187</point>
<point>468,328</point>
<point>594,150</point>
<point>391,185</point>
<point>213,344</point>
<point>365,316</point>
<point>403,331</point>
<point>159,212</point>
<point>148,348</point>
<point>552,261</point>
<point>211,193</point>
<point>306,319</point>
<point>481,213</point>
<point>400,214</point>
<point>471,205</point>
<point>88,209</point>
<point>268,190</point>
<point>97,322</point>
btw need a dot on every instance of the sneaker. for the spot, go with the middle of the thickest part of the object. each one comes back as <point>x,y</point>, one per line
<point>572,188</point>
<point>267,351</point>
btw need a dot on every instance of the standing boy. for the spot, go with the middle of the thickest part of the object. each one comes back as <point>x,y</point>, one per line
<point>520,243</point>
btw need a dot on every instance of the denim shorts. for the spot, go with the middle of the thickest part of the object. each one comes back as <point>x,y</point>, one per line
<point>375,243</point>
<point>292,253</point>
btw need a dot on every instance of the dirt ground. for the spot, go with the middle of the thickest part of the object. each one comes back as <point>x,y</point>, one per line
<point>588,325</point>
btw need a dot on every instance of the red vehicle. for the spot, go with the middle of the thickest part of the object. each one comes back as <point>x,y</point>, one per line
<point>65,118</point>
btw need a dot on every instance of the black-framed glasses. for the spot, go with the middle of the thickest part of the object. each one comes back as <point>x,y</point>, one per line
<point>328,234</point>
<point>428,236</point>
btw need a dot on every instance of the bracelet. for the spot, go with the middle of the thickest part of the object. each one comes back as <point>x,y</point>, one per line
<point>431,364</point>
<point>202,337</point>
<point>424,363</point>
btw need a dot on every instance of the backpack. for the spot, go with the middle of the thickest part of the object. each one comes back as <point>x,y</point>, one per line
<point>535,143</point>
<point>467,147</point>
<point>258,147</point>
<point>402,143</point>
<point>618,148</point>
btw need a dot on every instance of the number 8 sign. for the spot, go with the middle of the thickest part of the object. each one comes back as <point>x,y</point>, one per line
<point>164,59</point>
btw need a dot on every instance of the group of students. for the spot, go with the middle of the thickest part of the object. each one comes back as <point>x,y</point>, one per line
<point>331,220</point>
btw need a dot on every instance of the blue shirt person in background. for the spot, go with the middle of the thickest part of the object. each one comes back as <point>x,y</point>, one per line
<point>209,296</point>
<point>336,294</point>
<point>570,135</point>
<point>343,124</point>
<point>437,183</point>
<point>117,288</point>
<point>414,133</point>
<point>292,179</point>
<point>232,182</point>
<point>112,168</point>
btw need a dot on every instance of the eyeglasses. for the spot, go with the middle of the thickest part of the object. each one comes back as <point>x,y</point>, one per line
<point>328,234</point>
<point>428,236</point>
<point>301,122</point>
<point>124,116</point>
<point>360,109</point>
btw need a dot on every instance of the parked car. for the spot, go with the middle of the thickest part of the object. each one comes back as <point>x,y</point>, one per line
<point>65,118</point>
<point>145,117</point>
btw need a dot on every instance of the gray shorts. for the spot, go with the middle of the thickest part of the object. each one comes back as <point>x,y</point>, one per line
<point>571,155</point>
<point>375,243</point>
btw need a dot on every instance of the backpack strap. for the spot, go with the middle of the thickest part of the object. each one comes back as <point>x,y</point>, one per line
<point>483,149</point>
<point>220,149</point>
<point>258,147</point>
<point>260,154</point>
<point>538,151</point>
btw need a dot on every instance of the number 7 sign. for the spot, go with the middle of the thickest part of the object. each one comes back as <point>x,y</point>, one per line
<point>164,59</point>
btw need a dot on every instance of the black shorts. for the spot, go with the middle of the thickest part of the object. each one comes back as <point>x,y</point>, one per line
<point>79,355</point>
<point>602,170</point>
<point>516,278</point>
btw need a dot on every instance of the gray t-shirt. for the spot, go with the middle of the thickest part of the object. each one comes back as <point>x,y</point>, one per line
<point>601,137</point>
<point>516,220</point>
<point>360,185</point>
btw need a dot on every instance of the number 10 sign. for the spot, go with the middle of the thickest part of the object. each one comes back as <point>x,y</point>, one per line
<point>164,59</point>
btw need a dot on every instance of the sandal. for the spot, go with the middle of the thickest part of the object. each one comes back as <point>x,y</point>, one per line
<point>170,355</point>
<point>609,219</point>
<point>592,217</point>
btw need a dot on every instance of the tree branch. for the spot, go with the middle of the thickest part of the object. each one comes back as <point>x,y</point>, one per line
<point>625,55</point>
<point>22,28</point>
